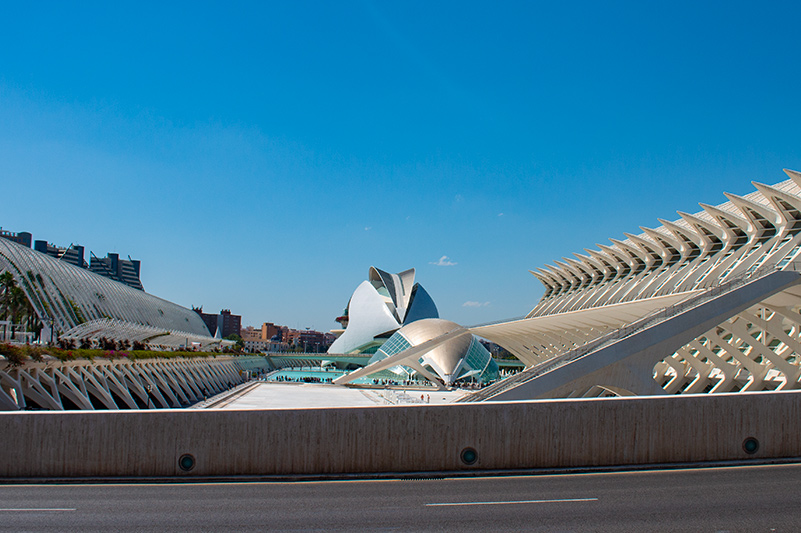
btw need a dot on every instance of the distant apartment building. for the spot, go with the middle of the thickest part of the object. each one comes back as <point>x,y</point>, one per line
<point>23,237</point>
<point>271,331</point>
<point>72,254</point>
<point>312,341</point>
<point>269,338</point>
<point>111,266</point>
<point>256,346</point>
<point>268,331</point>
<point>122,270</point>
<point>274,338</point>
<point>225,323</point>
<point>250,334</point>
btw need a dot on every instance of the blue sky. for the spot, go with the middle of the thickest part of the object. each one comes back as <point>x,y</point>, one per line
<point>261,156</point>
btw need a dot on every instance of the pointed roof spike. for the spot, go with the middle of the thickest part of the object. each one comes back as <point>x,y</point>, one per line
<point>570,268</point>
<point>655,235</point>
<point>549,275</point>
<point>545,281</point>
<point>721,215</point>
<point>591,263</point>
<point>717,212</point>
<point>713,228</point>
<point>606,263</point>
<point>763,210</point>
<point>543,271</point>
<point>588,258</point>
<point>644,244</point>
<point>682,233</point>
<point>623,257</point>
<point>579,266</point>
<point>630,249</point>
<point>601,255</point>
<point>772,194</point>
<point>560,275</point>
<point>794,175</point>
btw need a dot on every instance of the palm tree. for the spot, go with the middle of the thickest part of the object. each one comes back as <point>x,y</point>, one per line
<point>18,304</point>
<point>14,304</point>
<point>7,284</point>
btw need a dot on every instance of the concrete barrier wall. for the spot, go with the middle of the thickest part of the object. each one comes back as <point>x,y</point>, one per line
<point>537,434</point>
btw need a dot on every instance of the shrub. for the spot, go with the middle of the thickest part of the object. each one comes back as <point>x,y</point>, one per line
<point>13,354</point>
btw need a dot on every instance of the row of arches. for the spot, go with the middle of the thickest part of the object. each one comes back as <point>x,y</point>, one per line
<point>150,384</point>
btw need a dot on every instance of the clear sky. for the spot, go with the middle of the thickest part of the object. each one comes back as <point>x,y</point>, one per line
<point>261,156</point>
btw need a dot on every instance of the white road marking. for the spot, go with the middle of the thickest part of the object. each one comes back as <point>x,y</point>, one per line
<point>33,510</point>
<point>513,502</point>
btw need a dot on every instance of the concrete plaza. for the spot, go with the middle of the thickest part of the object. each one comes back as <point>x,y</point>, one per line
<point>270,395</point>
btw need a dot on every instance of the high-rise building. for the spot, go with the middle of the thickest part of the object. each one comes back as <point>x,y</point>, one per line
<point>225,323</point>
<point>23,237</point>
<point>72,254</point>
<point>122,270</point>
<point>111,266</point>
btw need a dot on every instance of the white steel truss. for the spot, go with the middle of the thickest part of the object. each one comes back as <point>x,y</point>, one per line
<point>118,384</point>
<point>666,271</point>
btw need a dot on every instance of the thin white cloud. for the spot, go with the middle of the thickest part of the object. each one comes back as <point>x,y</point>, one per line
<point>368,228</point>
<point>475,304</point>
<point>444,261</point>
<point>500,214</point>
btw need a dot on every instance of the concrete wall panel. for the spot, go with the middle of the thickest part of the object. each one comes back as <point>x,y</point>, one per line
<point>536,434</point>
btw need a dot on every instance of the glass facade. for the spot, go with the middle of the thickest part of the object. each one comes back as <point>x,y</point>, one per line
<point>395,344</point>
<point>476,363</point>
<point>479,359</point>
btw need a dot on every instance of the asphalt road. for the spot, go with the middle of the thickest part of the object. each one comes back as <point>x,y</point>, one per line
<point>752,498</point>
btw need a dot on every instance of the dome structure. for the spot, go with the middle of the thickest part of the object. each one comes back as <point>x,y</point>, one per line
<point>378,308</point>
<point>460,357</point>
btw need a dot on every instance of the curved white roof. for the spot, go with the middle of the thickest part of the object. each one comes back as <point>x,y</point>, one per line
<point>72,296</point>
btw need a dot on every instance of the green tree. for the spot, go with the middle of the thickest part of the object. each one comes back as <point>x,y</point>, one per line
<point>240,344</point>
<point>14,304</point>
<point>7,285</point>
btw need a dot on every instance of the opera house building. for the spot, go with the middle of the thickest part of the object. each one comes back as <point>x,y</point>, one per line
<point>388,315</point>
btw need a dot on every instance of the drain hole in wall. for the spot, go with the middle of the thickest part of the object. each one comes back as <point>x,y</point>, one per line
<point>750,445</point>
<point>186,462</point>
<point>469,456</point>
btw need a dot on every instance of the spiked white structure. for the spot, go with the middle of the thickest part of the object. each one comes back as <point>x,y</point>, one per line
<point>615,320</point>
<point>378,308</point>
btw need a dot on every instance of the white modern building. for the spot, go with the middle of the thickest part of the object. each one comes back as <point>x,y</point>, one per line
<point>461,358</point>
<point>709,302</point>
<point>378,308</point>
<point>78,304</point>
